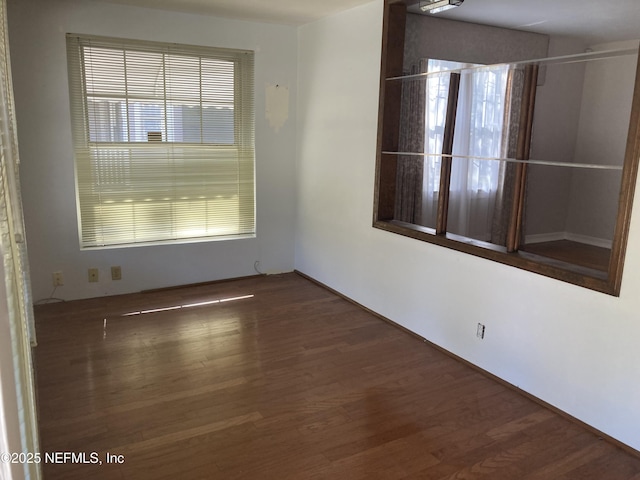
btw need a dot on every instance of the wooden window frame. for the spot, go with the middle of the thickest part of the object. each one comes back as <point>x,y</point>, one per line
<point>608,282</point>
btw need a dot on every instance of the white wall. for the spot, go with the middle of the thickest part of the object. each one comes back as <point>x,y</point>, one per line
<point>572,347</point>
<point>602,138</point>
<point>555,127</point>
<point>588,108</point>
<point>37,37</point>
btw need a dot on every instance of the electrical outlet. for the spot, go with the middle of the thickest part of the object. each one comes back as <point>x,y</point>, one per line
<point>480,331</point>
<point>58,280</point>
<point>116,273</point>
<point>93,274</point>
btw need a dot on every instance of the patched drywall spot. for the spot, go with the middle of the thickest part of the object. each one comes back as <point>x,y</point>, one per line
<point>277,106</point>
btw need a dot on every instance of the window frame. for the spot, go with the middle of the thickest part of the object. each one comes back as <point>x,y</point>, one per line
<point>609,282</point>
<point>206,156</point>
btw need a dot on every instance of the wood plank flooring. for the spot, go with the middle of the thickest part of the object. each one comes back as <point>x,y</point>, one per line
<point>292,382</point>
<point>575,253</point>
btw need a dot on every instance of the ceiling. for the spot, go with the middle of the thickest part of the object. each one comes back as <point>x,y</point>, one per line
<point>288,12</point>
<point>595,20</point>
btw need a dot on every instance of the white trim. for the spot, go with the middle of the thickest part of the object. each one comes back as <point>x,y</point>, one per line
<point>545,237</point>
<point>596,242</point>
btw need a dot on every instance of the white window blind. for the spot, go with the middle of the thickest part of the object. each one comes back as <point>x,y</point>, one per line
<point>164,141</point>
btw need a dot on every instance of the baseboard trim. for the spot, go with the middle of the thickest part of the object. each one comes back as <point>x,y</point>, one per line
<point>200,284</point>
<point>594,241</point>
<point>562,413</point>
<point>574,237</point>
<point>545,237</point>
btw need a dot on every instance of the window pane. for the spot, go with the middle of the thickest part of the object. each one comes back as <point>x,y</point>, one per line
<point>218,99</point>
<point>478,138</point>
<point>218,124</point>
<point>145,74</point>
<point>435,119</point>
<point>184,122</point>
<point>104,71</point>
<point>581,117</point>
<point>218,80</point>
<point>164,148</point>
<point>183,78</point>
<point>107,120</point>
<point>570,210</point>
<point>146,117</point>
<point>474,198</point>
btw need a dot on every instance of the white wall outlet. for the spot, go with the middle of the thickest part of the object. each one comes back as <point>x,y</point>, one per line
<point>480,331</point>
<point>58,279</point>
<point>116,273</point>
<point>93,275</point>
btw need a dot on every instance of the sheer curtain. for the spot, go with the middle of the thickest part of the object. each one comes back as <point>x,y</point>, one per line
<point>16,299</point>
<point>480,115</point>
<point>435,118</point>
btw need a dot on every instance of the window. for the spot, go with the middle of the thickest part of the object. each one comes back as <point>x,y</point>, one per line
<point>164,141</point>
<point>479,120</point>
<point>488,151</point>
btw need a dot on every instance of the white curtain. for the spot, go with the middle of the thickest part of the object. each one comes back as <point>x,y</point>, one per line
<point>435,118</point>
<point>14,258</point>
<point>475,181</point>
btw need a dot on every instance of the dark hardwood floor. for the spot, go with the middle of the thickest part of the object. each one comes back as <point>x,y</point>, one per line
<point>575,253</point>
<point>290,383</point>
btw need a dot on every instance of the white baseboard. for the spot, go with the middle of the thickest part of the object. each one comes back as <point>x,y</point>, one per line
<point>596,242</point>
<point>574,237</point>
<point>545,237</point>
